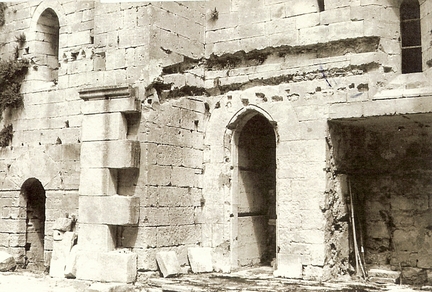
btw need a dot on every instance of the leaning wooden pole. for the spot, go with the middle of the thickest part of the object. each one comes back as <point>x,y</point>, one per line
<point>358,261</point>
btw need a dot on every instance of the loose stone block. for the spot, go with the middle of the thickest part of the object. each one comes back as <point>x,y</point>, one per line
<point>168,263</point>
<point>113,210</point>
<point>114,266</point>
<point>98,181</point>
<point>96,237</point>
<point>200,259</point>
<point>110,154</point>
<point>61,250</point>
<point>289,266</point>
<point>99,127</point>
<point>7,262</point>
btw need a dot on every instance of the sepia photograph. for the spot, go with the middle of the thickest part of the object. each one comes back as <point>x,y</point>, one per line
<point>215,145</point>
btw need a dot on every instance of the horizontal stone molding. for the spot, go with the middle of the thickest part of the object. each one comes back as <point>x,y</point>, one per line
<point>107,92</point>
<point>124,105</point>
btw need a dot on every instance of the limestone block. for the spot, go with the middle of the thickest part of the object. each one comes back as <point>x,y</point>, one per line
<point>200,259</point>
<point>70,268</point>
<point>112,126</point>
<point>63,224</point>
<point>168,263</point>
<point>98,181</point>
<point>7,262</point>
<point>289,266</point>
<point>111,154</point>
<point>114,266</point>
<point>114,210</point>
<point>61,250</point>
<point>303,7</point>
<point>96,237</point>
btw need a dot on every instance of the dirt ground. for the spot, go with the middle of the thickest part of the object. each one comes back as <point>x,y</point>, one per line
<point>258,279</point>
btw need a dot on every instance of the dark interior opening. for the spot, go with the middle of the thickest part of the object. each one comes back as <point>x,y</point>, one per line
<point>256,193</point>
<point>387,162</point>
<point>34,193</point>
<point>321,6</point>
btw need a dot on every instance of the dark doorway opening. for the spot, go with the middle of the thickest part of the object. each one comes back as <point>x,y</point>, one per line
<point>34,194</point>
<point>256,148</point>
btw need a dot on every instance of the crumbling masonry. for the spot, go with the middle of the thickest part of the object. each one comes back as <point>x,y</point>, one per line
<point>265,131</point>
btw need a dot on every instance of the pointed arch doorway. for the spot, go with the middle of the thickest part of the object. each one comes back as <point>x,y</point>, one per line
<point>34,195</point>
<point>254,191</point>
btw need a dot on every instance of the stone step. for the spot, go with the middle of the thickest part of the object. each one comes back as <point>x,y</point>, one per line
<point>380,280</point>
<point>382,273</point>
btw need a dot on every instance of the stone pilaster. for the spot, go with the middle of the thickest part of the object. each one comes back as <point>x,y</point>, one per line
<point>105,149</point>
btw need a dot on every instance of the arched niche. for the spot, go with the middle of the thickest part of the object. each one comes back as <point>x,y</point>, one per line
<point>33,193</point>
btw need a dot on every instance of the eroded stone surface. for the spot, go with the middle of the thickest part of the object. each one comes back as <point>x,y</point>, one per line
<point>7,262</point>
<point>168,263</point>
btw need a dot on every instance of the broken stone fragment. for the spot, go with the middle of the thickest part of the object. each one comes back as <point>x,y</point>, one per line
<point>60,254</point>
<point>70,268</point>
<point>63,224</point>
<point>168,263</point>
<point>7,262</point>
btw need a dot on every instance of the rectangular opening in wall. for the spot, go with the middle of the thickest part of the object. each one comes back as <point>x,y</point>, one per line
<point>386,161</point>
<point>321,5</point>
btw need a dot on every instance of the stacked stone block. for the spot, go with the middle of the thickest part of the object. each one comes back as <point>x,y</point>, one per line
<point>170,211</point>
<point>102,211</point>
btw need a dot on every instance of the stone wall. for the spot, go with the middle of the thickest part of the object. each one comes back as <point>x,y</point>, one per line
<point>94,51</point>
<point>199,71</point>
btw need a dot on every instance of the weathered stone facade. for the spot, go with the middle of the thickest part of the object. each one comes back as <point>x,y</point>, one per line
<point>240,126</point>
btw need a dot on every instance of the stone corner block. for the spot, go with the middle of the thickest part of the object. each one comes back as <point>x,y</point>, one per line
<point>114,266</point>
<point>99,127</point>
<point>98,181</point>
<point>111,210</point>
<point>200,259</point>
<point>168,263</point>
<point>96,237</point>
<point>289,266</point>
<point>111,154</point>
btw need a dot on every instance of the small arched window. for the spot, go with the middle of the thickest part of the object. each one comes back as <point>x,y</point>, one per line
<point>47,40</point>
<point>411,36</point>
